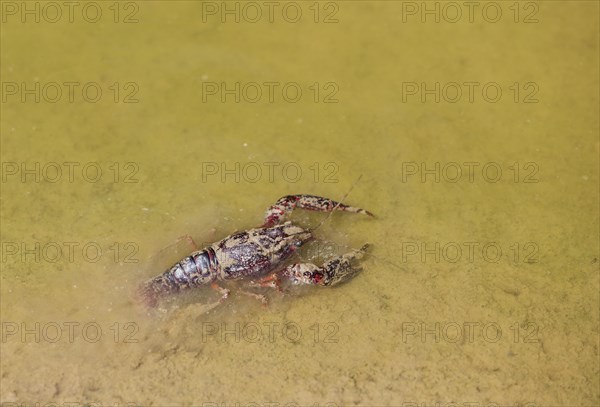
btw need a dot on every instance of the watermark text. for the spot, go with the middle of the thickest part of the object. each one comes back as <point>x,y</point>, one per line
<point>69,171</point>
<point>27,12</point>
<point>469,92</point>
<point>69,92</point>
<point>270,171</point>
<point>270,12</point>
<point>269,92</point>
<point>68,332</point>
<point>70,252</point>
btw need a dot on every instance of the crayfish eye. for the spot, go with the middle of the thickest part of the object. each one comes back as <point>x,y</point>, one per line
<point>307,274</point>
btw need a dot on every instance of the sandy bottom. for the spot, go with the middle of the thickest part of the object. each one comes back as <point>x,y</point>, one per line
<point>482,285</point>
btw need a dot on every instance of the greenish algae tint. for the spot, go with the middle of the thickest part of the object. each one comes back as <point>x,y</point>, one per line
<point>475,129</point>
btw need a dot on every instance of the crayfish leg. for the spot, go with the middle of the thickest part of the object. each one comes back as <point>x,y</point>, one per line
<point>223,291</point>
<point>270,281</point>
<point>256,296</point>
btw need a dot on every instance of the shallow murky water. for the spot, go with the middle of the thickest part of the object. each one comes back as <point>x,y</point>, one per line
<point>475,130</point>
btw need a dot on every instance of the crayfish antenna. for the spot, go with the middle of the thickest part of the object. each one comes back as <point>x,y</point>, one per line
<point>340,202</point>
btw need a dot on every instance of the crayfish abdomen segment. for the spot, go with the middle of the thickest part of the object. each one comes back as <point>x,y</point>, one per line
<point>196,269</point>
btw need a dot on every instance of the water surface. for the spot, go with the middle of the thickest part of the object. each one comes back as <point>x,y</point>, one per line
<point>482,286</point>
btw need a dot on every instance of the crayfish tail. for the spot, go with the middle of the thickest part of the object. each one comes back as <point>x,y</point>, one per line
<point>147,295</point>
<point>150,292</point>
